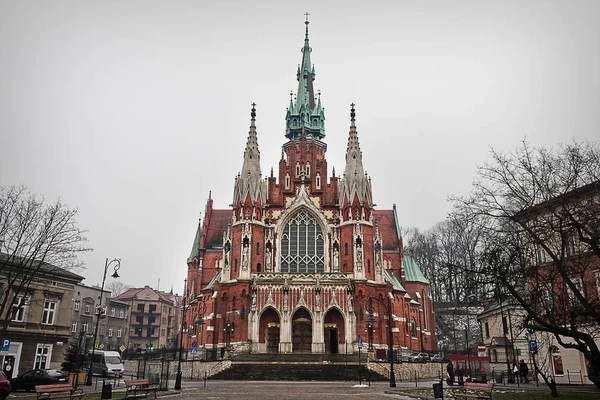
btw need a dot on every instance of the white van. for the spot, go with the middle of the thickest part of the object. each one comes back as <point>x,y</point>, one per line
<point>107,363</point>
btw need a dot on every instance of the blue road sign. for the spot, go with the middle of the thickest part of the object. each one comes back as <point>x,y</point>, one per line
<point>5,344</point>
<point>533,347</point>
<point>194,351</point>
<point>194,344</point>
<point>360,346</point>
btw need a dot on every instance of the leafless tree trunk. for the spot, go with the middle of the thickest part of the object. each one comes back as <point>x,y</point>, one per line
<point>35,238</point>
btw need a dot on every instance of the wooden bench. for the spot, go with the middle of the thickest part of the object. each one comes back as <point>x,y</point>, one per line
<point>480,391</point>
<point>61,390</point>
<point>135,386</point>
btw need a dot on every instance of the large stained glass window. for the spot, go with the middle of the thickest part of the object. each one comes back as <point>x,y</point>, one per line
<point>302,245</point>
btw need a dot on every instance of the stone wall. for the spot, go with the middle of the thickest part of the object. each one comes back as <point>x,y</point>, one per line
<point>189,369</point>
<point>409,372</point>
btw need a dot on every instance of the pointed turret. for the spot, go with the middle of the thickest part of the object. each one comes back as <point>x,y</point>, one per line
<point>355,187</point>
<point>249,184</point>
<point>304,113</point>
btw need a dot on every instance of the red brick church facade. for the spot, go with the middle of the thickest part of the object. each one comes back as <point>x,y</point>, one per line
<point>291,266</point>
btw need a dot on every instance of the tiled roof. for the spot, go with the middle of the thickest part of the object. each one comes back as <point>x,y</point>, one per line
<point>212,281</point>
<point>388,227</point>
<point>216,228</point>
<point>43,268</point>
<point>412,271</point>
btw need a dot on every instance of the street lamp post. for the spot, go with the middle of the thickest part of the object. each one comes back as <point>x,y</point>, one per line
<point>100,311</point>
<point>388,309</point>
<point>178,376</point>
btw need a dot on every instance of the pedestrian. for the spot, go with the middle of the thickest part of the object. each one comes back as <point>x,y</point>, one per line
<point>523,370</point>
<point>515,372</point>
<point>450,370</point>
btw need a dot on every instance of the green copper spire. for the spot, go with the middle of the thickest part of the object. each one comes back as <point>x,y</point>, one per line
<point>304,113</point>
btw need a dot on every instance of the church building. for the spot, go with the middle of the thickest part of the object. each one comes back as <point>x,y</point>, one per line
<point>302,261</point>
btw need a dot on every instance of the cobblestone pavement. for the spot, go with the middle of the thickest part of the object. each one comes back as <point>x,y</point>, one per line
<point>255,390</point>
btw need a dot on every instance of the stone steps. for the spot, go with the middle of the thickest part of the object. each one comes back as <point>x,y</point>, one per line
<point>297,371</point>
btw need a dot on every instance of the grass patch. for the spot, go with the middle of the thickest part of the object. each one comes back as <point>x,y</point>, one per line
<point>509,394</point>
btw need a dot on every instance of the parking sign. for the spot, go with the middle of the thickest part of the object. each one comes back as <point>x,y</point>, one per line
<point>5,344</point>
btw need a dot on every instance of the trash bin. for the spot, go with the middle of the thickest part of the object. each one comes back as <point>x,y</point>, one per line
<point>438,390</point>
<point>106,390</point>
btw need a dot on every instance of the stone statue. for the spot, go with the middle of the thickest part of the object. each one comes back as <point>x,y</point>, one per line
<point>268,259</point>
<point>245,256</point>
<point>318,301</point>
<point>336,260</point>
<point>359,258</point>
<point>253,306</point>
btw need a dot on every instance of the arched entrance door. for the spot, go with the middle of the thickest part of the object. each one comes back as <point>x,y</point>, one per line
<point>333,333</point>
<point>302,331</point>
<point>269,331</point>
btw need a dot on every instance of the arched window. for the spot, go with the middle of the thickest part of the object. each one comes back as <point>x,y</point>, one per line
<point>302,245</point>
<point>287,180</point>
<point>424,302</point>
<point>257,248</point>
<point>346,249</point>
<point>413,328</point>
<point>318,181</point>
<point>307,169</point>
<point>297,169</point>
<point>233,303</point>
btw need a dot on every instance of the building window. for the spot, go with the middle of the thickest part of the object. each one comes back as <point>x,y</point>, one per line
<point>152,308</point>
<point>297,169</point>
<point>487,329</point>
<point>119,332</point>
<point>121,313</point>
<point>87,308</point>
<point>76,306</point>
<point>112,311</point>
<point>84,326</point>
<point>74,327</point>
<point>102,330</point>
<point>413,328</point>
<point>302,245</point>
<point>307,169</point>
<point>579,287</point>
<point>140,307</point>
<point>569,245</point>
<point>318,181</point>
<point>287,181</point>
<point>43,354</point>
<point>110,331</point>
<point>346,249</point>
<point>541,255</point>
<point>19,308</point>
<point>49,312</point>
<point>557,362</point>
<point>424,309</point>
<point>257,248</point>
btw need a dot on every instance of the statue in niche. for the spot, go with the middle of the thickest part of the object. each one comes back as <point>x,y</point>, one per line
<point>285,301</point>
<point>268,259</point>
<point>245,256</point>
<point>377,260</point>
<point>253,305</point>
<point>359,257</point>
<point>318,301</point>
<point>349,300</point>
<point>336,260</point>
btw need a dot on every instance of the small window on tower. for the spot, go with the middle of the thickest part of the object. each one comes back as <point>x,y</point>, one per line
<point>287,181</point>
<point>297,169</point>
<point>307,169</point>
<point>318,181</point>
<point>257,248</point>
<point>346,249</point>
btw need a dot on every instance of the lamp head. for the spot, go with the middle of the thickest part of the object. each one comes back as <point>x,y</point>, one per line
<point>116,274</point>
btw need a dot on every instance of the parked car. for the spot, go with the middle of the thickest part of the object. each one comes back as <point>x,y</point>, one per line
<point>436,358</point>
<point>29,379</point>
<point>418,357</point>
<point>4,386</point>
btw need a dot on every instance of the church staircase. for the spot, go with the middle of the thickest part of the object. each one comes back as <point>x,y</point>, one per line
<point>298,367</point>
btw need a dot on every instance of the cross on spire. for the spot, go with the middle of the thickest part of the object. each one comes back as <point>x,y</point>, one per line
<point>306,15</point>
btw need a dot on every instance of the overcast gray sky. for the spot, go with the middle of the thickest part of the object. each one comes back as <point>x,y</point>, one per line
<point>133,110</point>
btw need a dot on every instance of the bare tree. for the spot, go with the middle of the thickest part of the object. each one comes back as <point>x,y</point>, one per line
<point>538,210</point>
<point>36,239</point>
<point>117,287</point>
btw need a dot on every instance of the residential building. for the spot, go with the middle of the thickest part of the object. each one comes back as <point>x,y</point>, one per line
<point>152,322</point>
<point>40,319</point>
<point>302,261</point>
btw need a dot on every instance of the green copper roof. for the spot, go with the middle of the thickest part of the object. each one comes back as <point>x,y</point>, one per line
<point>212,281</point>
<point>196,245</point>
<point>393,280</point>
<point>398,229</point>
<point>303,115</point>
<point>412,271</point>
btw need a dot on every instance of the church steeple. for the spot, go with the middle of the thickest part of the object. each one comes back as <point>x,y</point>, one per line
<point>249,183</point>
<point>304,113</point>
<point>355,188</point>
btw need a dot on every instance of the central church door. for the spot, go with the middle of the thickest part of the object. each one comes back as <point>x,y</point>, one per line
<point>302,332</point>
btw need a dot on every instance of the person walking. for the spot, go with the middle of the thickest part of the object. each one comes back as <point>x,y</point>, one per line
<point>515,372</point>
<point>450,370</point>
<point>523,370</point>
